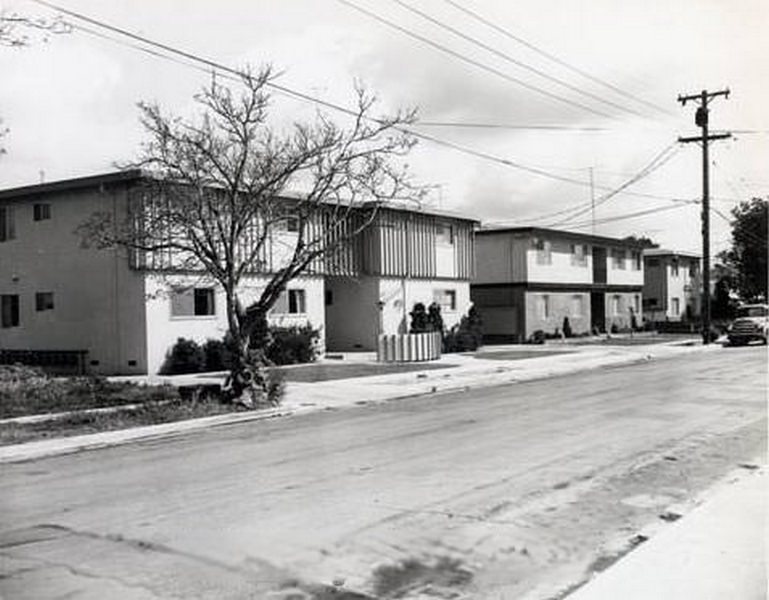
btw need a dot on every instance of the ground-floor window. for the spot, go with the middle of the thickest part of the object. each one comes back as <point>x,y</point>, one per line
<point>544,306</point>
<point>637,303</point>
<point>292,302</point>
<point>616,305</point>
<point>675,306</point>
<point>577,306</point>
<point>9,310</point>
<point>446,299</point>
<point>192,302</point>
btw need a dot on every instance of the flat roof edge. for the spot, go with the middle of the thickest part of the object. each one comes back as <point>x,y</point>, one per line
<point>72,184</point>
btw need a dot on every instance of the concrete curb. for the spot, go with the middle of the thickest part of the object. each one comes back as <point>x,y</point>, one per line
<point>482,378</point>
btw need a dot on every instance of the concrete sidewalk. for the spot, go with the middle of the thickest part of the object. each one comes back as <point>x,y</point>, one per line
<point>462,372</point>
<point>716,552</point>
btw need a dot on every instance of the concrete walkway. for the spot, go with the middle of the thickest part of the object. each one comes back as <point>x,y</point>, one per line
<point>716,552</point>
<point>463,371</point>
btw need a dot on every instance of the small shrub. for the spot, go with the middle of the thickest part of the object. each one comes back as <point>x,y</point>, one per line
<point>419,319</point>
<point>293,345</point>
<point>537,337</point>
<point>614,328</point>
<point>467,336</point>
<point>434,317</point>
<point>218,354</point>
<point>185,356</point>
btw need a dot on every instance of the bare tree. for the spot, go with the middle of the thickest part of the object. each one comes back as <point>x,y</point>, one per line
<point>14,32</point>
<point>221,191</point>
<point>15,29</point>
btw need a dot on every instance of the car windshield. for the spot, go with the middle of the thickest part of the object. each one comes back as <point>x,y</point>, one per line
<point>752,311</point>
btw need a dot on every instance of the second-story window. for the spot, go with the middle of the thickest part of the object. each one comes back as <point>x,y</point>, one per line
<point>544,252</point>
<point>618,259</point>
<point>636,260</point>
<point>674,269</point>
<point>41,212</point>
<point>693,269</point>
<point>444,233</point>
<point>579,255</point>
<point>43,301</point>
<point>7,224</point>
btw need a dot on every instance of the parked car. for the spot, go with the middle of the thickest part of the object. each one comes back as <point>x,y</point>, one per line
<point>751,323</point>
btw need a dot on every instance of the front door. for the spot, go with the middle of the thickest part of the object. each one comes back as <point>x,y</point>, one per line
<point>598,311</point>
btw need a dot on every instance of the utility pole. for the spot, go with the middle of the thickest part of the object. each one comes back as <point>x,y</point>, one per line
<point>701,119</point>
<point>592,200</point>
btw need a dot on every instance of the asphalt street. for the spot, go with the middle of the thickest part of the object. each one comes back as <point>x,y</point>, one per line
<point>519,491</point>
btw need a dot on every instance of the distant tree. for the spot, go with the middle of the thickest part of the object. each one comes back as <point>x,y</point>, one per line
<point>642,241</point>
<point>748,254</point>
<point>218,197</point>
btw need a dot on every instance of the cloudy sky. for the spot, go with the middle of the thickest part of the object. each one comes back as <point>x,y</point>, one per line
<point>543,90</point>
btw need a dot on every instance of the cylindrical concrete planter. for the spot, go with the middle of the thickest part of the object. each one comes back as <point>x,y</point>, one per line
<point>409,347</point>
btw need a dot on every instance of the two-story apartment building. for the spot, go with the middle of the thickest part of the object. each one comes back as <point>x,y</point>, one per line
<point>672,285</point>
<point>530,278</point>
<point>123,310</point>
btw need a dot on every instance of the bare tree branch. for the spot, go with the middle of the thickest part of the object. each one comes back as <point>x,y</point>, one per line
<point>220,197</point>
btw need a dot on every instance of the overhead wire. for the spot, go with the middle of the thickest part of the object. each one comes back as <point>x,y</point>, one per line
<point>230,71</point>
<point>554,58</point>
<point>512,60</point>
<point>471,61</point>
<point>659,160</point>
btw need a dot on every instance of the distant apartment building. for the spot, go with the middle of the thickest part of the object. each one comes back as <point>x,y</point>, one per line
<point>531,278</point>
<point>672,285</point>
<point>121,311</point>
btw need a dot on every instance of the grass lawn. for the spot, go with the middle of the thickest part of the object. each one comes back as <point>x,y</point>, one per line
<point>639,340</point>
<point>79,423</point>
<point>516,354</point>
<point>25,391</point>
<point>314,372</point>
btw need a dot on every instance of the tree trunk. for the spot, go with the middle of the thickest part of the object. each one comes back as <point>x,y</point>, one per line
<point>249,382</point>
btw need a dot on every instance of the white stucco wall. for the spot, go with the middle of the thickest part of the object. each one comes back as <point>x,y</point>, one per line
<point>163,329</point>
<point>98,301</point>
<point>627,276</point>
<point>399,297</point>
<point>560,269</point>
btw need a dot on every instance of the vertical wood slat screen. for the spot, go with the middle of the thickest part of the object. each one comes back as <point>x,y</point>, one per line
<point>399,243</point>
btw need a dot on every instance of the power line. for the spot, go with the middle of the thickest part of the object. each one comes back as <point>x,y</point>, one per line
<point>470,125</point>
<point>659,160</point>
<point>512,60</point>
<point>471,61</point>
<point>230,72</point>
<point>625,216</point>
<point>552,57</point>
